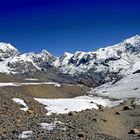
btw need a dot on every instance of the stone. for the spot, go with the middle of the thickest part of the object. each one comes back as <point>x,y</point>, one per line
<point>80,135</point>
<point>127,108</point>
<point>18,120</point>
<point>134,131</point>
<point>94,120</point>
<point>30,111</point>
<point>72,113</point>
<point>117,113</point>
<point>101,108</point>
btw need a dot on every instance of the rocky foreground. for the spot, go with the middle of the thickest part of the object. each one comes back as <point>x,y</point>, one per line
<point>118,123</point>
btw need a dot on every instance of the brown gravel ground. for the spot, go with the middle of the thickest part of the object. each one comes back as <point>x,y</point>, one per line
<point>104,124</point>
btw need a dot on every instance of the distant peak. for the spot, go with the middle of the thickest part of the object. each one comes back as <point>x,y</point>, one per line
<point>6,46</point>
<point>133,39</point>
<point>67,54</point>
<point>45,52</point>
<point>136,36</point>
<point>7,50</point>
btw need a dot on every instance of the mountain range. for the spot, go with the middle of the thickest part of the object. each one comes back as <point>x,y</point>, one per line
<point>90,68</point>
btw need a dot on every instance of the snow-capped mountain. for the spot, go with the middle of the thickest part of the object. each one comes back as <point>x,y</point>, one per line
<point>31,61</point>
<point>12,61</point>
<point>30,65</point>
<point>121,59</point>
<point>90,68</point>
<point>123,54</point>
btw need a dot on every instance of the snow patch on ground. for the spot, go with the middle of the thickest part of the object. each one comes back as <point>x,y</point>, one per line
<point>25,134</point>
<point>137,102</point>
<point>8,84</point>
<point>49,126</point>
<point>65,105</point>
<point>36,83</point>
<point>31,79</point>
<point>53,83</point>
<point>21,84</point>
<point>21,102</point>
<point>42,83</point>
<point>128,87</point>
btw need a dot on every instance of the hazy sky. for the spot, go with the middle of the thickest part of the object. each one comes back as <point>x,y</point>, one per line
<point>67,25</point>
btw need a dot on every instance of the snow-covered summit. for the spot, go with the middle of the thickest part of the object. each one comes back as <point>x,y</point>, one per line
<point>7,50</point>
<point>135,40</point>
<point>6,46</point>
<point>63,60</point>
<point>46,56</point>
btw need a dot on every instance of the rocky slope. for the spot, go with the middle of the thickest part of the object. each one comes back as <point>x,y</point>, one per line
<point>118,123</point>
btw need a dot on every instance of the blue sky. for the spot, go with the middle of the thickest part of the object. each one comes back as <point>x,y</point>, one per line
<point>67,25</point>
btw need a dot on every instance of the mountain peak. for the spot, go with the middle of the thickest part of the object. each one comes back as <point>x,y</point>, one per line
<point>133,40</point>
<point>46,56</point>
<point>7,50</point>
<point>45,52</point>
<point>67,54</point>
<point>5,46</point>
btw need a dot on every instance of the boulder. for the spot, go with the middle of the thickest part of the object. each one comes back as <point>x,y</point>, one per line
<point>134,131</point>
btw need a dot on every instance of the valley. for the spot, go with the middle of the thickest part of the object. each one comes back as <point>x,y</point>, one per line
<point>81,96</point>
